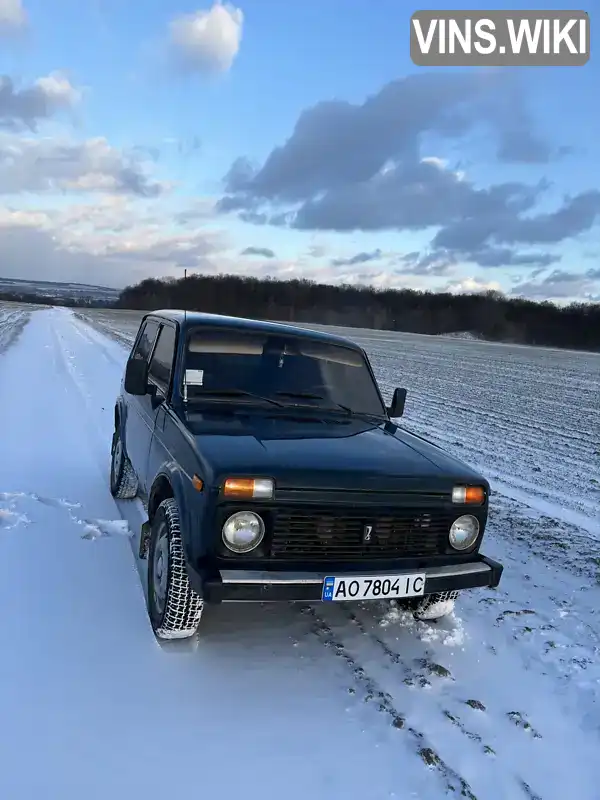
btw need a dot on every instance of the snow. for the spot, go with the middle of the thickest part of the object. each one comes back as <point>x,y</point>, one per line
<point>500,700</point>
<point>461,335</point>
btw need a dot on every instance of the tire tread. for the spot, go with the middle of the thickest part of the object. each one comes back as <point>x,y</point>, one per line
<point>128,482</point>
<point>183,605</point>
<point>436,606</point>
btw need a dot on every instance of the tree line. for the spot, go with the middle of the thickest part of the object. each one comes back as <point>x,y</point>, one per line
<point>15,296</point>
<point>489,314</point>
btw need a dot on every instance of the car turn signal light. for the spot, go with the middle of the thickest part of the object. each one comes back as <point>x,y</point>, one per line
<point>249,488</point>
<point>468,495</point>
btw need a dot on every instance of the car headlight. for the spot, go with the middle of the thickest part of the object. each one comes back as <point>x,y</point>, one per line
<point>243,531</point>
<point>464,532</point>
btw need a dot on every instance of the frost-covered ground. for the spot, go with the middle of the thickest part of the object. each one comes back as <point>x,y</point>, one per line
<point>499,701</point>
<point>13,318</point>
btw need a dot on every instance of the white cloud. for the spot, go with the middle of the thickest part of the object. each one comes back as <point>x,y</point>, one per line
<point>26,107</point>
<point>56,165</point>
<point>12,15</point>
<point>201,209</point>
<point>472,285</point>
<point>317,249</point>
<point>23,218</point>
<point>112,241</point>
<point>58,90</point>
<point>207,41</point>
<point>562,285</point>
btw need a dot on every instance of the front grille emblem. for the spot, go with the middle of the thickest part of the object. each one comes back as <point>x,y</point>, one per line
<point>367,534</point>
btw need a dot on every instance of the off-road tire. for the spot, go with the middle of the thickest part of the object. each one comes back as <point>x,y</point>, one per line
<point>181,611</point>
<point>435,606</point>
<point>123,480</point>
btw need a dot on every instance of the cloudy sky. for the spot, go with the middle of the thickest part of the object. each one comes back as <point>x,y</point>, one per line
<point>292,139</point>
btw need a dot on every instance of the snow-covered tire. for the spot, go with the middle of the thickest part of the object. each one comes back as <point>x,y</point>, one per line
<point>435,606</point>
<point>123,480</point>
<point>174,608</point>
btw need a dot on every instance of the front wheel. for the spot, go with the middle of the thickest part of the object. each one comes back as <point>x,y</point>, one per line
<point>174,608</point>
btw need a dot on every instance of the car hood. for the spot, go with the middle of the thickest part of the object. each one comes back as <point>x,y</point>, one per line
<point>354,455</point>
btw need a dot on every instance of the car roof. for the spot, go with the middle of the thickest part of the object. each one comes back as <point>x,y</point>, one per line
<point>187,319</point>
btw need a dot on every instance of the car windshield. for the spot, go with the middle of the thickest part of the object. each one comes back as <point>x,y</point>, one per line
<point>278,371</point>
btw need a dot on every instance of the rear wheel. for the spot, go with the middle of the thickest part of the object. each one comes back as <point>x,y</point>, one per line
<point>175,609</point>
<point>123,480</point>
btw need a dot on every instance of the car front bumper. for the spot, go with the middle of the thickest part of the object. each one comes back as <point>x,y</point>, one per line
<point>247,586</point>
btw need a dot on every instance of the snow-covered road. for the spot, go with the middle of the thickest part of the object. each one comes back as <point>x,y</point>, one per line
<point>499,701</point>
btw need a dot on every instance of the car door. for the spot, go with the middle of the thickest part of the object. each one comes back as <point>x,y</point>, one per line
<point>139,425</point>
<point>159,379</point>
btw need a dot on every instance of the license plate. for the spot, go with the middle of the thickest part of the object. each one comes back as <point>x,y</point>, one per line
<point>378,587</point>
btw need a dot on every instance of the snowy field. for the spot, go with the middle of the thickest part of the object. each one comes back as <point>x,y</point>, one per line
<point>499,702</point>
<point>13,318</point>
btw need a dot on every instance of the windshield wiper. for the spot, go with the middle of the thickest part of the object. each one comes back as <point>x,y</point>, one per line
<point>347,409</point>
<point>235,393</point>
<point>301,395</point>
<point>366,414</point>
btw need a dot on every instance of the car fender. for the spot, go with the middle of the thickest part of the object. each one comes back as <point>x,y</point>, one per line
<point>186,497</point>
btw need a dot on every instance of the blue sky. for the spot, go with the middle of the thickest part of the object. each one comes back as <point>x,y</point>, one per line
<point>154,118</point>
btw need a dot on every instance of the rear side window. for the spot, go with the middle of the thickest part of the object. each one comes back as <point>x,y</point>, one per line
<point>144,345</point>
<point>162,359</point>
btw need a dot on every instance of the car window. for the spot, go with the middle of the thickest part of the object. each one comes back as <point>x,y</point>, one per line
<point>281,367</point>
<point>143,348</point>
<point>162,358</point>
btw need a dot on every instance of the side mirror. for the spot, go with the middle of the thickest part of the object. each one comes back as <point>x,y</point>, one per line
<point>396,408</point>
<point>136,377</point>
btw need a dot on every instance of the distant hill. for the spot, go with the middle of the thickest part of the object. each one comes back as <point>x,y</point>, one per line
<point>77,292</point>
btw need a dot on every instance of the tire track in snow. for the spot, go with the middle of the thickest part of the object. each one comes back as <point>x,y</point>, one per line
<point>413,677</point>
<point>98,322</point>
<point>64,361</point>
<point>92,528</point>
<point>89,335</point>
<point>427,674</point>
<point>96,435</point>
<point>373,693</point>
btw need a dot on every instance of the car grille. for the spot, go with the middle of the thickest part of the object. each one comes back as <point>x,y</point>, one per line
<point>323,535</point>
